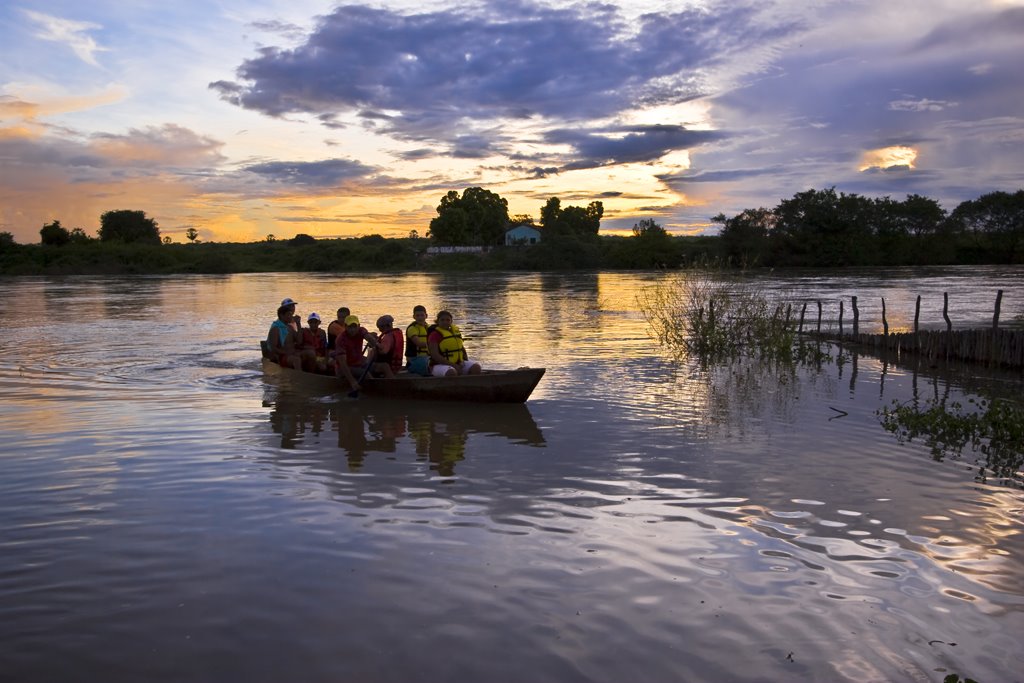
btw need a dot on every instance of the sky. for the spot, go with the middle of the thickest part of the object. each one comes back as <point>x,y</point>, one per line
<point>249,118</point>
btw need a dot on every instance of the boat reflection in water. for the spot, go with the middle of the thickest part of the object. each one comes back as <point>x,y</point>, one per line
<point>434,432</point>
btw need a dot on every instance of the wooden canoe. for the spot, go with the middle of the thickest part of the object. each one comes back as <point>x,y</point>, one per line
<point>490,386</point>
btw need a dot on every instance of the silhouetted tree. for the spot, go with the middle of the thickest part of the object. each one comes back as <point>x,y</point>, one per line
<point>78,236</point>
<point>478,217</point>
<point>54,235</point>
<point>191,233</point>
<point>125,225</point>
<point>745,235</point>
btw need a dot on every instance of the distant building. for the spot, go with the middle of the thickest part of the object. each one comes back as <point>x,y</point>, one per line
<point>522,235</point>
<point>433,251</point>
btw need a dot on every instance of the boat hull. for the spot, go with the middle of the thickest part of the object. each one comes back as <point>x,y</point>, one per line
<point>490,386</point>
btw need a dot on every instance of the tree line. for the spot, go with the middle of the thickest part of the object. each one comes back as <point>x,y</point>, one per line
<point>813,228</point>
<point>826,228</point>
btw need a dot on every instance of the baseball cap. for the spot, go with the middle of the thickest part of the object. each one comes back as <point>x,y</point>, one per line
<point>351,320</point>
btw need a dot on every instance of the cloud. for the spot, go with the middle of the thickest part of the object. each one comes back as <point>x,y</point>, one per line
<point>923,104</point>
<point>624,145</point>
<point>313,174</point>
<point>71,33</point>
<point>516,61</point>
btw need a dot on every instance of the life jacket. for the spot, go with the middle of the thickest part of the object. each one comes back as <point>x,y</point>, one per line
<point>334,330</point>
<point>315,340</point>
<point>450,345</point>
<point>417,330</point>
<point>392,356</point>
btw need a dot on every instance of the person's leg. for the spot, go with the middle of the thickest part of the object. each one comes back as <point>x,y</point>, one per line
<point>470,367</point>
<point>443,371</point>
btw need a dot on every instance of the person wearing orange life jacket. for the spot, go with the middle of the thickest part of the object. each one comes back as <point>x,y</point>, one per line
<point>337,326</point>
<point>349,357</point>
<point>390,345</point>
<point>447,353</point>
<point>417,355</point>
<point>316,339</point>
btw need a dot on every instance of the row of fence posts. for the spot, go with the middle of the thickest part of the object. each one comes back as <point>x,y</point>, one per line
<point>1000,347</point>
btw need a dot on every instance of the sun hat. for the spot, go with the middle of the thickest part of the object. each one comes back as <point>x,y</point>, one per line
<point>313,316</point>
<point>351,320</point>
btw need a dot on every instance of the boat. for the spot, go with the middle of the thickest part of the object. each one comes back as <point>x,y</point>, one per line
<point>490,386</point>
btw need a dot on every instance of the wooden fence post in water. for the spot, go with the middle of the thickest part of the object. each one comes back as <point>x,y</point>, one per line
<point>840,318</point>
<point>917,314</point>
<point>885,323</point>
<point>803,311</point>
<point>995,316</point>
<point>945,311</point>
<point>819,316</point>
<point>856,315</point>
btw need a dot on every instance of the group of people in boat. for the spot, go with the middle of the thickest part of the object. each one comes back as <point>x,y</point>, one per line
<point>350,351</point>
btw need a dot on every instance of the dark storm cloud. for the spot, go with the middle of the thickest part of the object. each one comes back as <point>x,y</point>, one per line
<point>495,60</point>
<point>625,145</point>
<point>326,173</point>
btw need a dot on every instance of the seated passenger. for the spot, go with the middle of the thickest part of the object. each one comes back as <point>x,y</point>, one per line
<point>284,345</point>
<point>417,356</point>
<point>315,338</point>
<point>348,354</point>
<point>389,357</point>
<point>336,327</point>
<point>290,305</point>
<point>447,353</point>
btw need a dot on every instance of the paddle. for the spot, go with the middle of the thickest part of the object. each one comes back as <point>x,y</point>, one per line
<point>369,364</point>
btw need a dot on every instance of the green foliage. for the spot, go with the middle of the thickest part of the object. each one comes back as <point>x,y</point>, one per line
<point>995,222</point>
<point>992,428</point>
<point>302,239</point>
<point>6,240</point>
<point>54,235</point>
<point>571,220</point>
<point>477,218</point>
<point>128,226</point>
<point>702,313</point>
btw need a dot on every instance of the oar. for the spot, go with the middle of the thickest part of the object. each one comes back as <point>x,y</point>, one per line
<point>355,392</point>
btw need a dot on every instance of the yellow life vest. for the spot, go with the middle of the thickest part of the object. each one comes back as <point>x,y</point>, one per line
<point>451,345</point>
<point>415,330</point>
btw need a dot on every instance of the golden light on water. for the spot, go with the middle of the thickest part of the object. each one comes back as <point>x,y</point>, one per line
<point>887,157</point>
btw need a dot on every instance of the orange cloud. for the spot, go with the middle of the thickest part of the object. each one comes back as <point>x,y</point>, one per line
<point>888,157</point>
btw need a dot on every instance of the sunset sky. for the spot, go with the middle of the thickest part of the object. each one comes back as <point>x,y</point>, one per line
<point>244,118</point>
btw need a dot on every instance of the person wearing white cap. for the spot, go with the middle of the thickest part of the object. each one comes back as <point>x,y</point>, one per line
<point>315,338</point>
<point>285,346</point>
<point>290,304</point>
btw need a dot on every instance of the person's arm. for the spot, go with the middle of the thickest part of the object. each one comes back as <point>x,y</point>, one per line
<point>436,356</point>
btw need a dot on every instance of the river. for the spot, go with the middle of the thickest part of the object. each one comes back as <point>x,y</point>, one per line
<point>171,514</point>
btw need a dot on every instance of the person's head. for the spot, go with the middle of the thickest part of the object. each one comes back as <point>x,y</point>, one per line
<point>313,321</point>
<point>385,323</point>
<point>444,319</point>
<point>284,314</point>
<point>419,313</point>
<point>351,325</point>
<point>343,313</point>
<point>290,305</point>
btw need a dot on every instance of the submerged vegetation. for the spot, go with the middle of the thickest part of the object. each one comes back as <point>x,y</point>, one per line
<point>994,429</point>
<point>712,316</point>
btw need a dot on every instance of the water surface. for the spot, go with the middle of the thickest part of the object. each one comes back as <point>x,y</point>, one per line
<point>172,515</point>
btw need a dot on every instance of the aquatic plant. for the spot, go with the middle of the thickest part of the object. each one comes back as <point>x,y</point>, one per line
<point>994,428</point>
<point>701,312</point>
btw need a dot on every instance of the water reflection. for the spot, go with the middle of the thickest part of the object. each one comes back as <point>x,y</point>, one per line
<point>436,433</point>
